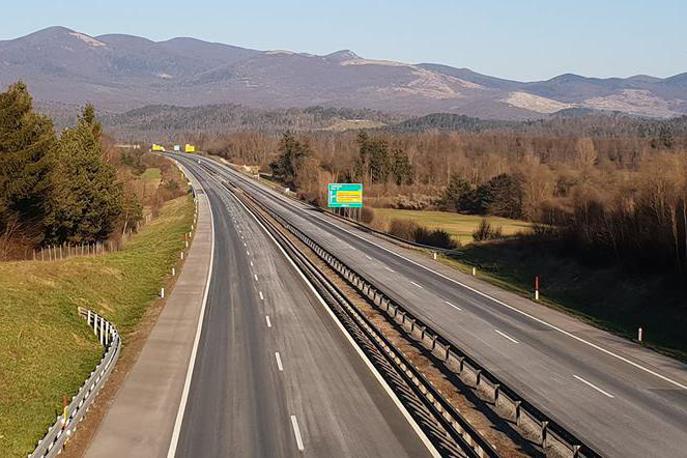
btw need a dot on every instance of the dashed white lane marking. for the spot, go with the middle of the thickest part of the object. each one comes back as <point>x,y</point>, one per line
<point>416,284</point>
<point>454,306</point>
<point>279,364</point>
<point>368,257</point>
<point>297,433</point>
<point>251,263</point>
<point>244,244</point>
<point>256,277</point>
<point>389,269</point>
<point>262,298</point>
<point>248,252</point>
<point>506,336</point>
<point>267,320</point>
<point>605,393</point>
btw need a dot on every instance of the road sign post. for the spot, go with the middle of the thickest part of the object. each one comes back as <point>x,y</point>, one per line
<point>345,195</point>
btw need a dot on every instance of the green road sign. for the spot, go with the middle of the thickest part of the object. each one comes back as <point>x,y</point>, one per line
<point>345,195</point>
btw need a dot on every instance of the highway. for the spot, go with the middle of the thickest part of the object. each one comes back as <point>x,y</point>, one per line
<point>274,375</point>
<point>620,399</point>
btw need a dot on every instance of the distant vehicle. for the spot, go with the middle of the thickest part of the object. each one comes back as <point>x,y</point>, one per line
<point>189,148</point>
<point>177,148</point>
<point>157,147</point>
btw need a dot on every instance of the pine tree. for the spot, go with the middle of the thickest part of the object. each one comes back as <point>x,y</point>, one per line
<point>87,201</point>
<point>26,141</point>
<point>292,155</point>
<point>401,168</point>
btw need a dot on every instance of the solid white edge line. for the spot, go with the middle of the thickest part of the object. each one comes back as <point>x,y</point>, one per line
<point>297,433</point>
<point>279,364</point>
<point>192,360</point>
<point>605,393</point>
<point>413,424</point>
<point>515,309</point>
<point>503,334</point>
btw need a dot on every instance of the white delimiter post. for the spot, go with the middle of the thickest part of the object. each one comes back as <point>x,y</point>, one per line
<point>162,293</point>
<point>640,334</point>
<point>474,271</point>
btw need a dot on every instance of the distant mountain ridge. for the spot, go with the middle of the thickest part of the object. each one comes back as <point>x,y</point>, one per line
<point>118,73</point>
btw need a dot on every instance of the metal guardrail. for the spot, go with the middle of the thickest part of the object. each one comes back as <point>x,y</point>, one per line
<point>469,441</point>
<point>53,441</point>
<point>551,435</point>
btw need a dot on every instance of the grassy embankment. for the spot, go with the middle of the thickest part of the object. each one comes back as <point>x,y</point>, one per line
<point>607,297</point>
<point>459,226</point>
<point>46,350</point>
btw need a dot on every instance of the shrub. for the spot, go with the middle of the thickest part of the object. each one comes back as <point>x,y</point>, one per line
<point>403,228</point>
<point>486,231</point>
<point>367,215</point>
<point>438,238</point>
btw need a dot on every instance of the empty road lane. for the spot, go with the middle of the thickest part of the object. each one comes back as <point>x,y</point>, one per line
<point>620,399</point>
<point>274,375</point>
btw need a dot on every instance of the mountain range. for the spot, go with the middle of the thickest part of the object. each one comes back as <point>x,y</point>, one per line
<point>65,68</point>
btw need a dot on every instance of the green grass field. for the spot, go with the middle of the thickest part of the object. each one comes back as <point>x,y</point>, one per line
<point>46,350</point>
<point>458,225</point>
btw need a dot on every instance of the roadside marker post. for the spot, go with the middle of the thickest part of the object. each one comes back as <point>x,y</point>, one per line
<point>162,293</point>
<point>474,271</point>
<point>536,288</point>
<point>640,334</point>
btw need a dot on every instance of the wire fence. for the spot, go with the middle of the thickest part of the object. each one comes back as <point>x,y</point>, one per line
<point>69,250</point>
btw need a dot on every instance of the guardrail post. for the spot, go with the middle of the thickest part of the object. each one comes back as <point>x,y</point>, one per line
<point>448,349</point>
<point>497,388</point>
<point>517,412</point>
<point>102,331</point>
<point>544,432</point>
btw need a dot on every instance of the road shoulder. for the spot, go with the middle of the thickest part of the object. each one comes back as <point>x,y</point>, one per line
<point>141,417</point>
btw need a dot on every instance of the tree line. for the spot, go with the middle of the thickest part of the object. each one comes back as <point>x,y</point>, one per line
<point>56,189</point>
<point>610,196</point>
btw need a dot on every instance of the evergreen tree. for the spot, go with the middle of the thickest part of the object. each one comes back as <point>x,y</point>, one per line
<point>379,161</point>
<point>502,196</point>
<point>87,201</point>
<point>292,154</point>
<point>373,161</point>
<point>401,168</point>
<point>26,141</point>
<point>456,193</point>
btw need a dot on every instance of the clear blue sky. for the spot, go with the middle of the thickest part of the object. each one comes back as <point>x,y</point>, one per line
<point>518,39</point>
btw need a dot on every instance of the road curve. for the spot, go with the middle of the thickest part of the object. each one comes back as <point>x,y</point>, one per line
<point>274,376</point>
<point>622,400</point>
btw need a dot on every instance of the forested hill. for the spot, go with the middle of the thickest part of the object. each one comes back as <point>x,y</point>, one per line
<point>166,122</point>
<point>567,124</point>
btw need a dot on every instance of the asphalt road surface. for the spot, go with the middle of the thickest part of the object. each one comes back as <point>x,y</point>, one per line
<point>621,399</point>
<point>274,375</point>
